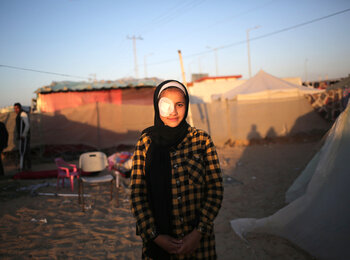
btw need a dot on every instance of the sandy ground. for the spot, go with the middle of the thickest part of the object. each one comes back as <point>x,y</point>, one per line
<point>53,227</point>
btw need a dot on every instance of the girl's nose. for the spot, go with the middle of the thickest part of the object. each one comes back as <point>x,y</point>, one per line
<point>174,113</point>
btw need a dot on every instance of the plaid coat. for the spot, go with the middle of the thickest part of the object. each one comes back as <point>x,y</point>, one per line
<point>197,191</point>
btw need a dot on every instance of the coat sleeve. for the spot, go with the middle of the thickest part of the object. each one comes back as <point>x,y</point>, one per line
<point>214,189</point>
<point>26,126</point>
<point>145,225</point>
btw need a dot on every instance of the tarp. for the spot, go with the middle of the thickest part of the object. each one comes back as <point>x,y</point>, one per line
<point>205,89</point>
<point>317,219</point>
<point>60,100</point>
<point>56,101</point>
<point>98,85</point>
<point>257,119</point>
<point>266,86</point>
<point>99,125</point>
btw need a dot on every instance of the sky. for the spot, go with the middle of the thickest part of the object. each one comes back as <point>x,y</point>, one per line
<point>43,41</point>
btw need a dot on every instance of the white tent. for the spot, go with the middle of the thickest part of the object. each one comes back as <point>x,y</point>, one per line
<point>317,218</point>
<point>205,89</point>
<point>266,86</point>
<point>264,107</point>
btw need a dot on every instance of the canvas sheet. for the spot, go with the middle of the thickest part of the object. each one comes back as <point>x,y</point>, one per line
<point>266,86</point>
<point>317,219</point>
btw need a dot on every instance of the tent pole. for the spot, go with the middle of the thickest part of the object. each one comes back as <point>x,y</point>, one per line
<point>228,119</point>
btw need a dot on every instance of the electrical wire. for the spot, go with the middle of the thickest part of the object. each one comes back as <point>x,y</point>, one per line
<point>200,53</point>
<point>287,29</point>
<point>257,37</point>
<point>243,13</point>
<point>199,30</point>
<point>44,72</point>
<point>174,9</point>
<point>172,14</point>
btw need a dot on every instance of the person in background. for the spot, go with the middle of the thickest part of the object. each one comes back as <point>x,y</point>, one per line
<point>4,136</point>
<point>176,182</point>
<point>23,136</point>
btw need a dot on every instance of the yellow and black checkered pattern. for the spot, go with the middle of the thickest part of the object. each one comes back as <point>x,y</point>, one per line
<point>197,191</point>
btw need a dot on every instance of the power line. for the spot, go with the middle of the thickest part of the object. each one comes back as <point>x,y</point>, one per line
<point>44,72</point>
<point>288,28</point>
<point>258,37</point>
<point>200,53</point>
<point>243,13</point>
<point>173,11</point>
<point>199,30</point>
<point>172,14</point>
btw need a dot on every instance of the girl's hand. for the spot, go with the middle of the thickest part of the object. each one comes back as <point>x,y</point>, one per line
<point>190,242</point>
<point>168,243</point>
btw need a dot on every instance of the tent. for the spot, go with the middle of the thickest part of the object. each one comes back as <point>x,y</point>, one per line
<point>99,114</point>
<point>69,94</point>
<point>262,107</point>
<point>317,217</point>
<point>266,86</point>
<point>205,87</point>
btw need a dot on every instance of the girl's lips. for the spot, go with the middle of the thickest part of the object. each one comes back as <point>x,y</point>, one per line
<point>173,119</point>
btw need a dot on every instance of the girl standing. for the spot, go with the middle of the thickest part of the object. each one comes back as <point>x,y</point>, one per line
<point>176,183</point>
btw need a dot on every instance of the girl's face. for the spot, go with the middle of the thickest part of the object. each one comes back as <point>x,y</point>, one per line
<point>178,114</point>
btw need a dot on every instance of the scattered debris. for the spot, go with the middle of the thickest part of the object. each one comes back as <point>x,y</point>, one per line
<point>86,207</point>
<point>42,220</point>
<point>231,180</point>
<point>33,188</point>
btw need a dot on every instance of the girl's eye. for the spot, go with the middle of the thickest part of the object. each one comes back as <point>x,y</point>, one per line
<point>180,105</point>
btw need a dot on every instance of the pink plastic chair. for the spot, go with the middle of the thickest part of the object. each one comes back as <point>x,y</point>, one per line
<point>66,170</point>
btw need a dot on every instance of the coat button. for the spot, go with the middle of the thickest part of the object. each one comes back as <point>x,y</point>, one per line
<point>178,183</point>
<point>176,165</point>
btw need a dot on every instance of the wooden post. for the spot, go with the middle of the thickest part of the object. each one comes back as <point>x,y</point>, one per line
<point>190,119</point>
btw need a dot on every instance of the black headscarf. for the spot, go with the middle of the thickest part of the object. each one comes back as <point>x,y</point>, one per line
<point>158,167</point>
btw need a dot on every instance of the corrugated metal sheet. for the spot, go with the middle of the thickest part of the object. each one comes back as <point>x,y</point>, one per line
<point>85,86</point>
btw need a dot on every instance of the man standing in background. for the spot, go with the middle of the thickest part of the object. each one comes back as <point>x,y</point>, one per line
<point>23,135</point>
<point>4,136</point>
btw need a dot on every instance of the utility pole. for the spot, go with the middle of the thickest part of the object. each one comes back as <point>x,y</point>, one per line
<point>133,38</point>
<point>248,47</point>
<point>182,69</point>
<point>190,119</point>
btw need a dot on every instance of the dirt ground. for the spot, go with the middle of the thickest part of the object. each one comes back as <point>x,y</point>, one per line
<point>256,178</point>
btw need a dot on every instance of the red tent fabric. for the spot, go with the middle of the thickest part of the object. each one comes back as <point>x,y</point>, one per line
<point>60,100</point>
<point>26,175</point>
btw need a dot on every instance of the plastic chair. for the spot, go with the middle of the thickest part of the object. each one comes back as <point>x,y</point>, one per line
<point>66,170</point>
<point>93,162</point>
